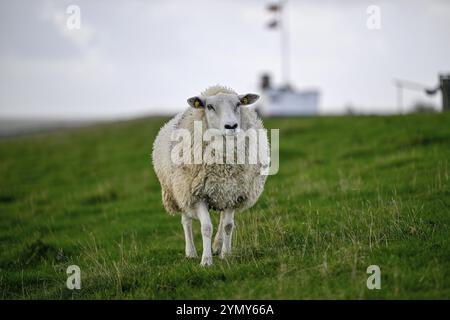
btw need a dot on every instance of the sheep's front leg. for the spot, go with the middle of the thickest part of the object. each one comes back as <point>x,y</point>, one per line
<point>186,221</point>
<point>218,239</point>
<point>207,230</point>
<point>227,222</point>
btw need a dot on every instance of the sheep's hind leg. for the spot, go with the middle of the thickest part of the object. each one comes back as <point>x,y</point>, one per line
<point>228,226</point>
<point>186,221</point>
<point>207,231</point>
<point>218,240</point>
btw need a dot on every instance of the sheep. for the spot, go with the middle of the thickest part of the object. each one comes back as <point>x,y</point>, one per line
<point>194,189</point>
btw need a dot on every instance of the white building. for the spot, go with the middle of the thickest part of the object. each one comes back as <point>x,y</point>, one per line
<point>289,102</point>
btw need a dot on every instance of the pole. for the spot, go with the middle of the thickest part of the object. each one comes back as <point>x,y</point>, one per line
<point>445,91</point>
<point>284,42</point>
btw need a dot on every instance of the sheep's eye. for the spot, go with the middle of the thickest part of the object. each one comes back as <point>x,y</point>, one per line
<point>237,105</point>
<point>210,107</point>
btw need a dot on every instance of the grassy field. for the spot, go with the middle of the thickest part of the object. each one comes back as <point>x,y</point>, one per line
<point>351,192</point>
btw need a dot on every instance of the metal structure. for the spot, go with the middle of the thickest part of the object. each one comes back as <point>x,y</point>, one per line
<point>445,90</point>
<point>401,84</point>
<point>443,86</point>
<point>280,22</point>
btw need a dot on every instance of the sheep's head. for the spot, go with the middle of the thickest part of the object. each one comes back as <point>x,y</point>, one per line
<point>223,109</point>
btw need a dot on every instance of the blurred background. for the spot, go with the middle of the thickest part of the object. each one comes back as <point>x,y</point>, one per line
<point>126,59</point>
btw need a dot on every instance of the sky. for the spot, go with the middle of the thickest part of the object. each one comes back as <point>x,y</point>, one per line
<point>132,58</point>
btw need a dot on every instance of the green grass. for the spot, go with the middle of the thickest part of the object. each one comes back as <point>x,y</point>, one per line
<point>351,192</point>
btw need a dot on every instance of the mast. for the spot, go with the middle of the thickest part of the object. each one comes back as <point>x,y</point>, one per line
<point>280,22</point>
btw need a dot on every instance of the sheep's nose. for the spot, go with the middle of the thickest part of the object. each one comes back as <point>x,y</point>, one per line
<point>231,126</point>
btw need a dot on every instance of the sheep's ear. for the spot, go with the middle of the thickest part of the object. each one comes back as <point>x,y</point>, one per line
<point>248,98</point>
<point>196,102</point>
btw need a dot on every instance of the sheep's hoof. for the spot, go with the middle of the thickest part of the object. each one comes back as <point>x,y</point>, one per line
<point>191,255</point>
<point>206,261</point>
<point>217,247</point>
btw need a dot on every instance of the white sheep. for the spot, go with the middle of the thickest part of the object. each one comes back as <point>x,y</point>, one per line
<point>194,189</point>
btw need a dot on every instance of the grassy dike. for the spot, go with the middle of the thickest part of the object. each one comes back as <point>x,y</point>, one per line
<point>351,192</point>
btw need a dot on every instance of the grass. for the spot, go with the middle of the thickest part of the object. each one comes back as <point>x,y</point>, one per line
<point>351,192</point>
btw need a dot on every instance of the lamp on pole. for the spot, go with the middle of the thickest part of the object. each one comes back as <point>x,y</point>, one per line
<point>280,22</point>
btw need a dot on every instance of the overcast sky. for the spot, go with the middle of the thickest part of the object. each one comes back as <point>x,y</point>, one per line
<point>139,57</point>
